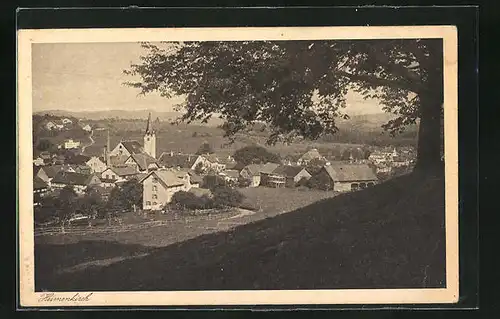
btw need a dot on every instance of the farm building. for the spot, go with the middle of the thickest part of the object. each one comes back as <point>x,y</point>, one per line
<point>159,186</point>
<point>348,177</point>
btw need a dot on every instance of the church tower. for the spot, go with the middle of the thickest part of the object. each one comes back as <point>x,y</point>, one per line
<point>150,139</point>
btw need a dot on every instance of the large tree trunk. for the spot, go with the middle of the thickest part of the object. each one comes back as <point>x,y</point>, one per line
<point>429,135</point>
<point>431,103</point>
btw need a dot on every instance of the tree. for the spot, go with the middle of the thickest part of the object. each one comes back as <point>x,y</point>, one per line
<point>66,205</point>
<point>45,145</point>
<point>316,162</point>
<point>205,148</point>
<point>346,155</point>
<point>131,194</point>
<point>321,181</point>
<point>213,180</point>
<point>91,204</point>
<point>254,154</point>
<point>300,87</point>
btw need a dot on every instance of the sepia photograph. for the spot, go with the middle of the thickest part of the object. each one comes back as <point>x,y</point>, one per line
<point>226,166</point>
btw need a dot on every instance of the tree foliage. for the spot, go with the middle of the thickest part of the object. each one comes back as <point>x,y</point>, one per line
<point>254,154</point>
<point>126,196</point>
<point>300,87</point>
<point>205,148</point>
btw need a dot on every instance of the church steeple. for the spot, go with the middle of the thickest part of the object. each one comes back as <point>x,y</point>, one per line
<point>149,126</point>
<point>150,139</point>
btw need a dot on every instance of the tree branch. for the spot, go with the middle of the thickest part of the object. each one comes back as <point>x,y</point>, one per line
<point>376,81</point>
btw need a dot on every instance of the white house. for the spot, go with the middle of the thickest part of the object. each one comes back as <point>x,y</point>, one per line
<point>38,161</point>
<point>50,125</point>
<point>70,144</point>
<point>87,128</point>
<point>66,121</point>
<point>159,186</point>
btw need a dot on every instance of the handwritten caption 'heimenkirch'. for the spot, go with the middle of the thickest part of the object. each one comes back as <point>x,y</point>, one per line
<point>51,297</point>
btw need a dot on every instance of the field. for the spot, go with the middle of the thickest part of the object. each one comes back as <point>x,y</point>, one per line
<point>387,236</point>
<point>275,201</point>
<point>188,138</point>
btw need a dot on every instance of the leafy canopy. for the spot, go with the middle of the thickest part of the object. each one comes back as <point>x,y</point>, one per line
<point>299,87</point>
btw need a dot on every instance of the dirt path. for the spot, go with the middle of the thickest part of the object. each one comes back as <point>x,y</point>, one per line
<point>91,142</point>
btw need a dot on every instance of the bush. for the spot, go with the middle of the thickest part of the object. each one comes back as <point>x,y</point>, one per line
<point>303,182</point>
<point>187,200</point>
<point>227,197</point>
<point>243,182</point>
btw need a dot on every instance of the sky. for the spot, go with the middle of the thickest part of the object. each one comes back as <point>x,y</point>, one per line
<point>89,77</point>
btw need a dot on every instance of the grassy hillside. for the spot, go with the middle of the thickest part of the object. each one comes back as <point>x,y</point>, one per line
<point>388,236</point>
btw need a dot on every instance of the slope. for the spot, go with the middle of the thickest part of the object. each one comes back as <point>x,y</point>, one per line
<point>388,236</point>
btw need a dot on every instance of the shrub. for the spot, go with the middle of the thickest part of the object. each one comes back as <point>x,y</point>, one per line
<point>227,197</point>
<point>187,200</point>
<point>243,182</point>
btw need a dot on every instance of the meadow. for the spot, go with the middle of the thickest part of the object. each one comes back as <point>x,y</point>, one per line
<point>188,138</point>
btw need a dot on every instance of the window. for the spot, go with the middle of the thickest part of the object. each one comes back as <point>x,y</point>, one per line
<point>154,203</point>
<point>148,203</point>
<point>154,188</point>
<point>155,196</point>
<point>155,180</point>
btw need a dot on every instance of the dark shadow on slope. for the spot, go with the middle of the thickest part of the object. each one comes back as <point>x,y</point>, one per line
<point>389,236</point>
<point>50,259</point>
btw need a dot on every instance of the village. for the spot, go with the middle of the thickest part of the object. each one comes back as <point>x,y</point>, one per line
<point>165,176</point>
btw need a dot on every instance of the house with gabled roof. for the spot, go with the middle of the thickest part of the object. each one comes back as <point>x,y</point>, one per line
<point>40,189</point>
<point>118,173</point>
<point>309,156</point>
<point>289,174</point>
<point>127,148</point>
<point>78,159</point>
<point>178,160</point>
<point>258,174</point>
<point>160,185</point>
<point>78,181</point>
<point>96,164</point>
<point>142,161</point>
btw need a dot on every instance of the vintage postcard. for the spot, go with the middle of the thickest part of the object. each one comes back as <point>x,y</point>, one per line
<point>238,166</point>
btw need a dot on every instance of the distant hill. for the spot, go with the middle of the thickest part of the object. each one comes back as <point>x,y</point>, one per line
<point>122,114</point>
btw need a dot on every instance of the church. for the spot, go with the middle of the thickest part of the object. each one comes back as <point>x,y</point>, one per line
<point>133,153</point>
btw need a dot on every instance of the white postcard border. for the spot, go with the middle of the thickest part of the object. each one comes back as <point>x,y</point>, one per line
<point>30,298</point>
